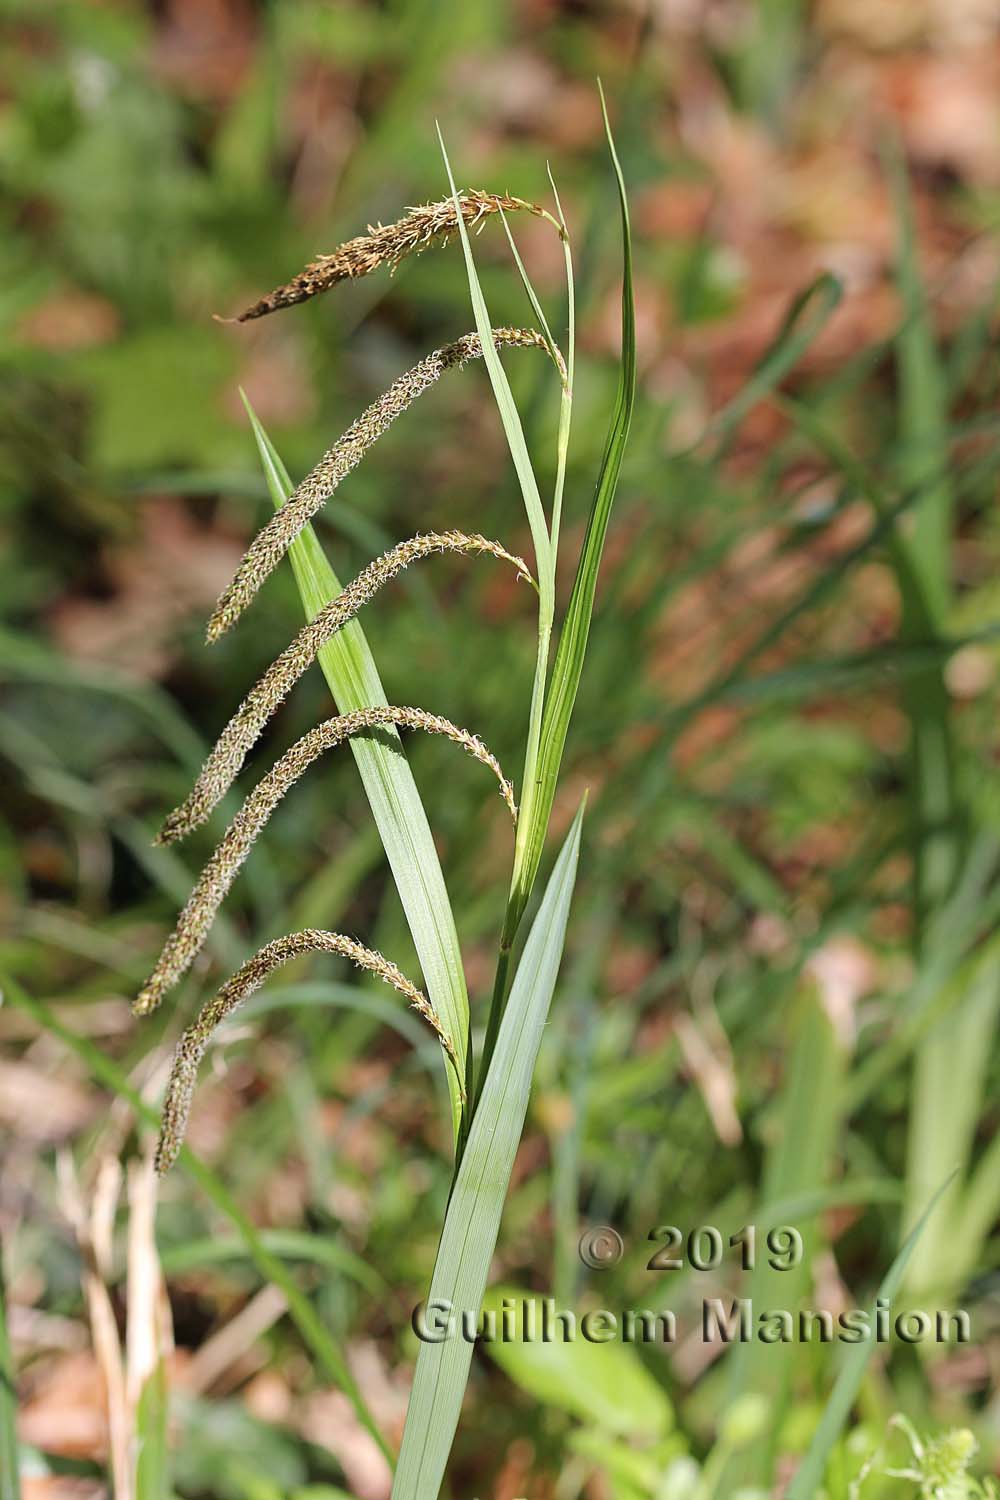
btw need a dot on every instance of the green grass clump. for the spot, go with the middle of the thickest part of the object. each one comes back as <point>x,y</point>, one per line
<point>488,1120</point>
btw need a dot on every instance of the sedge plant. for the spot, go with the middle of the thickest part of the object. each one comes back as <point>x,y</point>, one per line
<point>489,1091</point>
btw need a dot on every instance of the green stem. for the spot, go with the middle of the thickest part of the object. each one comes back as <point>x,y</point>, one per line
<point>10,1484</point>
<point>526,815</point>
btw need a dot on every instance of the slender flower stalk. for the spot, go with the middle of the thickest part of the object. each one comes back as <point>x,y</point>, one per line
<point>231,748</point>
<point>194,922</point>
<point>273,540</point>
<point>387,245</point>
<point>249,977</point>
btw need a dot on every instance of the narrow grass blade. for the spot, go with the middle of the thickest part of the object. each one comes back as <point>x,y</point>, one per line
<point>805,320</point>
<point>798,1162</point>
<point>566,400</point>
<point>777,34</point>
<point>529,290</point>
<point>292,1244</point>
<point>808,1479</point>
<point>505,404</point>
<point>22,657</point>
<point>314,1333</point>
<point>570,653</point>
<point>350,671</point>
<point>566,368</point>
<point>473,1218</point>
<point>731,678</point>
<point>152,1469</point>
<point>956,962</point>
<point>948,1072</point>
<point>935,799</point>
<point>979,1208</point>
<point>923,407</point>
<point>950,1078</point>
<point>860,477</point>
<point>10,1483</point>
<point>541,539</point>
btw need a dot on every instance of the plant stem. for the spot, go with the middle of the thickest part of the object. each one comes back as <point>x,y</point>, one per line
<point>10,1485</point>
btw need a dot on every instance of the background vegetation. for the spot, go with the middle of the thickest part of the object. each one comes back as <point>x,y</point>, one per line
<point>781,981</point>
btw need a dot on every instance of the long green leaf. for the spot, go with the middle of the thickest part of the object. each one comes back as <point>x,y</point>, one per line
<point>572,647</point>
<point>293,1244</point>
<point>505,402</point>
<point>152,1467</point>
<point>10,1483</point>
<point>544,556</point>
<point>923,408</point>
<point>949,1065</point>
<point>350,671</point>
<point>979,1208</point>
<point>473,1218</point>
<point>805,320</point>
<point>860,477</point>
<point>314,1332</point>
<point>799,1161</point>
<point>808,1478</point>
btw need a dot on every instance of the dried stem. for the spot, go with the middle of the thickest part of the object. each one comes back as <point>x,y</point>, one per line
<point>193,1044</point>
<point>199,913</point>
<point>232,746</point>
<point>271,543</point>
<point>386,245</point>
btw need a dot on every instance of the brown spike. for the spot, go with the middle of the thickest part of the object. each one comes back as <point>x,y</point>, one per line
<point>215,881</point>
<point>193,1044</point>
<point>273,540</point>
<point>231,748</point>
<point>385,245</point>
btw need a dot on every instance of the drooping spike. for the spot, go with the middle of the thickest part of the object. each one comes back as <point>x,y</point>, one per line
<point>273,540</point>
<point>215,881</point>
<point>230,751</point>
<point>249,977</point>
<point>386,245</point>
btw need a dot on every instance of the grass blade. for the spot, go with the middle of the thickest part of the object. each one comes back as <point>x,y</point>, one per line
<point>798,1162</point>
<point>948,1073</point>
<point>152,1469</point>
<point>293,1244</point>
<point>10,1483</point>
<point>805,320</point>
<point>541,540</point>
<point>566,397</point>
<point>473,1219</point>
<point>529,290</point>
<point>505,404</point>
<point>923,409</point>
<point>314,1332</point>
<point>572,647</point>
<point>808,1479</point>
<point>350,671</point>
